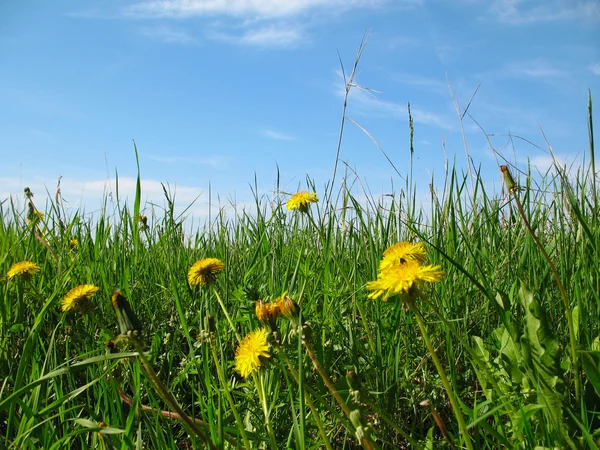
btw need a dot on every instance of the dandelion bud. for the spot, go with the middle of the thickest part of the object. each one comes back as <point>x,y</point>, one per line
<point>128,322</point>
<point>267,313</point>
<point>289,308</point>
<point>511,186</point>
<point>209,324</point>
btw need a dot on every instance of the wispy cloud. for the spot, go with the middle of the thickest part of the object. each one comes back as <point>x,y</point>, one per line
<point>520,12</point>
<point>367,103</point>
<point>425,83</point>
<point>538,69</point>
<point>242,8</point>
<point>595,68</point>
<point>269,36</point>
<point>276,135</point>
<point>94,194</point>
<point>168,35</point>
<point>212,161</point>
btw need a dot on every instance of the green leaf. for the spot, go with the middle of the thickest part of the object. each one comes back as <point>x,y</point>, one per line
<point>542,357</point>
<point>591,365</point>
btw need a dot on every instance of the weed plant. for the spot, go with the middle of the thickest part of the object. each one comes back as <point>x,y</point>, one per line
<point>502,351</point>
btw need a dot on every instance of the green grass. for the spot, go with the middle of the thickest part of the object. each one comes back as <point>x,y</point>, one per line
<point>497,320</point>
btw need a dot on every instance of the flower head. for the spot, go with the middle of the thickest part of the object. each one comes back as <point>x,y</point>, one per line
<point>265,312</point>
<point>402,252</point>
<point>73,243</point>
<point>79,298</point>
<point>400,279</point>
<point>205,271</point>
<point>301,200</point>
<point>23,270</point>
<point>250,354</point>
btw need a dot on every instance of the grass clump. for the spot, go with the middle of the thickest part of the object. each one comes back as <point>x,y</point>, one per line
<point>268,331</point>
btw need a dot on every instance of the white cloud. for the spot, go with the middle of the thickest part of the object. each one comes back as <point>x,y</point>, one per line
<point>243,8</point>
<point>168,35</point>
<point>276,135</point>
<point>520,12</point>
<point>595,68</point>
<point>269,36</point>
<point>92,194</point>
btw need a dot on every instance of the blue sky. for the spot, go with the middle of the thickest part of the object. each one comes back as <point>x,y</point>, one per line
<point>218,92</point>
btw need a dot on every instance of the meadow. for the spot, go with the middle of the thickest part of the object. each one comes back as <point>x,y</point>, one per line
<point>327,320</point>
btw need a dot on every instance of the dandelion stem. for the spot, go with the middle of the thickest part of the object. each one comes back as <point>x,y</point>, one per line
<point>438,365</point>
<point>260,385</point>
<point>227,315</point>
<point>165,394</point>
<point>309,402</point>
<point>225,387</point>
<point>366,441</point>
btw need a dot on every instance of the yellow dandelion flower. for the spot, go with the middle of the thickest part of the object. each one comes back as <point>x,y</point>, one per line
<point>400,278</point>
<point>251,352</point>
<point>23,270</point>
<point>73,243</point>
<point>402,252</point>
<point>301,200</point>
<point>205,271</point>
<point>79,298</point>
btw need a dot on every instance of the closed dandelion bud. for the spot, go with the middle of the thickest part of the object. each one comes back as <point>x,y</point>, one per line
<point>128,322</point>
<point>354,384</point>
<point>289,308</point>
<point>261,311</point>
<point>143,220</point>
<point>267,313</point>
<point>511,186</point>
<point>209,324</point>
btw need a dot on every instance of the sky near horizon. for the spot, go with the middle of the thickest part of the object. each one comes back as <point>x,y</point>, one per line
<point>220,93</point>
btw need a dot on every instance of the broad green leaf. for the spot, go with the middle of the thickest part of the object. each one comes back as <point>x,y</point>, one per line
<point>591,365</point>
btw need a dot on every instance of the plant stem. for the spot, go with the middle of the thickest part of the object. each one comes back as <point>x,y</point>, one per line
<point>366,441</point>
<point>259,380</point>
<point>166,395</point>
<point>309,402</point>
<point>237,336</point>
<point>562,290</point>
<point>225,387</point>
<point>438,365</point>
